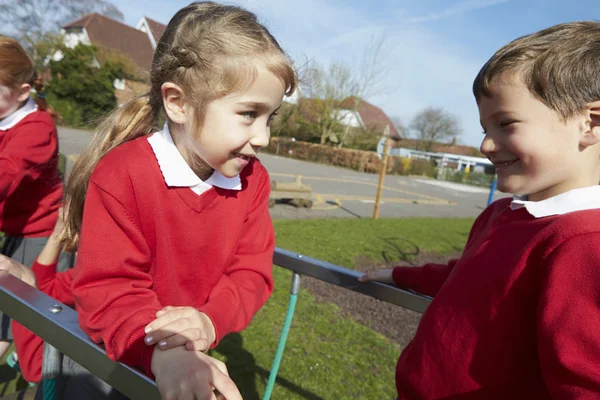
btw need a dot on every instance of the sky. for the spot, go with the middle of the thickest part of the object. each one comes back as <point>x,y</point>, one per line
<point>433,48</point>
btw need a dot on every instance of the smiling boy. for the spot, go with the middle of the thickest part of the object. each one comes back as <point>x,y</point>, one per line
<point>518,315</point>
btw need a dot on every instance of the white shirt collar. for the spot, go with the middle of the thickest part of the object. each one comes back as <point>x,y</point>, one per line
<point>587,198</point>
<point>177,172</point>
<point>16,117</point>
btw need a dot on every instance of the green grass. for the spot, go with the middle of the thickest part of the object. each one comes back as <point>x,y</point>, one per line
<point>328,356</point>
<point>342,241</point>
<point>11,381</point>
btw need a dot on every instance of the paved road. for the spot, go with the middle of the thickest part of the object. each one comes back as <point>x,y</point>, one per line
<point>343,193</point>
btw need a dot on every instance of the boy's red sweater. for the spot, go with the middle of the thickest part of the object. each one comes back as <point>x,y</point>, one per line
<point>516,317</point>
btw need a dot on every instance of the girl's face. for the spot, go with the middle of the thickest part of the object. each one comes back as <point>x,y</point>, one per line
<point>236,126</point>
<point>11,99</point>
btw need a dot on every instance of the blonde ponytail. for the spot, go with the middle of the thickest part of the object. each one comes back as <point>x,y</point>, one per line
<point>134,119</point>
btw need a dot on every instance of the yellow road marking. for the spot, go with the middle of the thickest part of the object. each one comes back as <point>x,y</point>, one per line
<point>342,197</point>
<point>320,204</point>
<point>391,189</point>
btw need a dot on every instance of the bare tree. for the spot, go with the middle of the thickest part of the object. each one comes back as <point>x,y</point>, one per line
<point>371,79</point>
<point>400,127</point>
<point>319,105</point>
<point>327,88</point>
<point>39,21</point>
<point>433,125</point>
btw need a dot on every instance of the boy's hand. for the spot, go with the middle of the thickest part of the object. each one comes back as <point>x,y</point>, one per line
<point>185,375</point>
<point>181,326</point>
<point>383,275</point>
<point>18,270</point>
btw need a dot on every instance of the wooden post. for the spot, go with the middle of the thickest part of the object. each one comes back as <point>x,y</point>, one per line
<point>384,160</point>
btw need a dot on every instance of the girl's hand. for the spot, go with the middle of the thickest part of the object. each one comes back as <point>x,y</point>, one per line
<point>181,326</point>
<point>17,270</point>
<point>383,275</point>
<point>58,227</point>
<point>182,374</point>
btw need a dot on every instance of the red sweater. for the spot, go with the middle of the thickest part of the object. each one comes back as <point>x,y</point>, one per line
<point>145,246</point>
<point>30,185</point>
<point>517,317</point>
<point>30,347</point>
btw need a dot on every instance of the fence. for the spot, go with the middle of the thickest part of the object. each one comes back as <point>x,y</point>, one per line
<point>57,324</point>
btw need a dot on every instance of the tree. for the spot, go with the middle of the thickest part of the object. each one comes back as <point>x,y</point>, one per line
<point>43,49</point>
<point>433,125</point>
<point>35,21</point>
<point>326,90</point>
<point>80,90</point>
<point>402,131</point>
<point>328,87</point>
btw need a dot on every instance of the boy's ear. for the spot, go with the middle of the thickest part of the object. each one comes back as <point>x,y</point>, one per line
<point>173,101</point>
<point>591,134</point>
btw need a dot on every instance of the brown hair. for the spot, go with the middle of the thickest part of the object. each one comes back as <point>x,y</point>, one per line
<point>208,49</point>
<point>559,65</point>
<point>16,69</point>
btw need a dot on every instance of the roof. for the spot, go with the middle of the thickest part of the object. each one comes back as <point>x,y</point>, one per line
<point>374,118</point>
<point>132,90</point>
<point>115,35</point>
<point>156,28</point>
<point>442,148</point>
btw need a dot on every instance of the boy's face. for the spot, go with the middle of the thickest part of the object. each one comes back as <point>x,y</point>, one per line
<point>535,152</point>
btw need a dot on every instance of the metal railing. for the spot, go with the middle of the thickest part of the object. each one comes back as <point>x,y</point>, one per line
<point>57,324</point>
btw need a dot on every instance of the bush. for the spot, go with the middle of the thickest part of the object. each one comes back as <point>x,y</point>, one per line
<point>423,167</point>
<point>359,160</point>
<point>70,114</point>
<point>361,139</point>
<point>81,90</point>
<point>472,178</point>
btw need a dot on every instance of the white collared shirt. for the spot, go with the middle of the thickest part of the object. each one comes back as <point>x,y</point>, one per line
<point>16,117</point>
<point>587,198</point>
<point>177,172</point>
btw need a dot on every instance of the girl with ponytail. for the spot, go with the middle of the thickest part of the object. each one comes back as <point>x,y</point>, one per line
<point>171,222</point>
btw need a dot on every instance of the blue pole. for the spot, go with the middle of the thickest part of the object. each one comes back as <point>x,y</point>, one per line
<point>492,190</point>
<point>284,334</point>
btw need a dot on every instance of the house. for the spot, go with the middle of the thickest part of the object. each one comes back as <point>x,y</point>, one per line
<point>153,29</point>
<point>361,113</point>
<point>113,37</point>
<point>449,148</point>
<point>353,112</point>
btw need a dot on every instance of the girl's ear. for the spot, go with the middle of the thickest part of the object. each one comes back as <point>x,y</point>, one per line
<point>24,92</point>
<point>172,96</point>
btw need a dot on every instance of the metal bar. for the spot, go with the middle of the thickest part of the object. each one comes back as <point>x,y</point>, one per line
<point>294,290</point>
<point>31,308</point>
<point>348,279</point>
<point>38,312</point>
